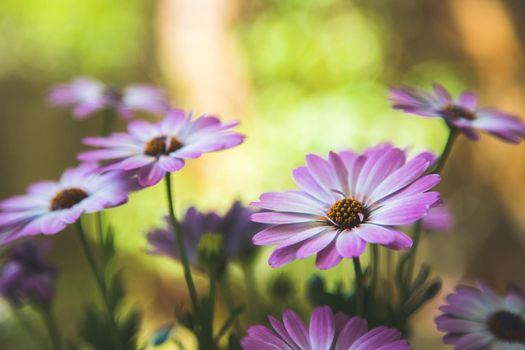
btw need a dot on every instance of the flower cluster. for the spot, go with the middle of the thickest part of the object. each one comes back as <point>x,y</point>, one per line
<point>345,202</point>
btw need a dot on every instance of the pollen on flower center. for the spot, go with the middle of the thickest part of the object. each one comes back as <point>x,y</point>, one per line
<point>158,146</point>
<point>456,112</point>
<point>68,198</point>
<point>347,213</point>
<point>507,326</point>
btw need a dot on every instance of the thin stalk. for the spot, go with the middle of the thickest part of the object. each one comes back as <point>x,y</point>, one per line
<point>452,136</point>
<point>375,268</point>
<point>440,164</point>
<point>100,234</point>
<point>180,245</point>
<point>359,287</point>
<point>101,283</point>
<point>108,122</point>
<point>54,333</point>
<point>416,236</point>
<point>228,299</point>
<point>251,289</point>
<point>211,296</point>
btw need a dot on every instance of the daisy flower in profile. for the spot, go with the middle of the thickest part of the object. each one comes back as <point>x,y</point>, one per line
<point>326,331</point>
<point>345,202</point>
<point>478,318</point>
<point>462,114</point>
<point>88,96</point>
<point>154,149</point>
<point>235,227</point>
<point>49,206</point>
<point>26,275</point>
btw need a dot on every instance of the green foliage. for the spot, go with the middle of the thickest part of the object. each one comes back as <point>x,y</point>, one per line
<point>71,37</point>
<point>95,325</point>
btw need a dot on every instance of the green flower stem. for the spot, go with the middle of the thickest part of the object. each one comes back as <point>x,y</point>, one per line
<point>180,245</point>
<point>359,288</point>
<point>440,164</point>
<point>253,294</point>
<point>101,283</point>
<point>375,268</point>
<point>108,121</point>
<point>211,296</point>
<point>228,299</point>
<point>438,168</point>
<point>49,320</point>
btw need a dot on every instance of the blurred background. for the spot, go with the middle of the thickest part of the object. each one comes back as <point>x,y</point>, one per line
<point>303,76</point>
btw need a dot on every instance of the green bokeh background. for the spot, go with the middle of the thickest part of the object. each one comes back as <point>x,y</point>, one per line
<point>319,72</point>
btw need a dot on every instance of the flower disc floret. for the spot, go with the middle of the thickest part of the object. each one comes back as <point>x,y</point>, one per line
<point>159,146</point>
<point>347,213</point>
<point>507,326</point>
<point>67,198</point>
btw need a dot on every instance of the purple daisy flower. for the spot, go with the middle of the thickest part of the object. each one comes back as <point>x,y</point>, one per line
<point>50,206</point>
<point>344,203</point>
<point>88,96</point>
<point>439,218</point>
<point>153,149</point>
<point>235,226</point>
<point>26,276</point>
<point>478,318</point>
<point>463,114</point>
<point>325,332</point>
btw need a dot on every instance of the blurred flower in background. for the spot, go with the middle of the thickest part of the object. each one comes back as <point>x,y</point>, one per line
<point>479,318</point>
<point>235,226</point>
<point>87,96</point>
<point>26,276</point>
<point>439,218</point>
<point>462,114</point>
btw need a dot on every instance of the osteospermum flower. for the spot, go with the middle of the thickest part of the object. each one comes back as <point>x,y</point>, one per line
<point>462,114</point>
<point>153,149</point>
<point>235,226</point>
<point>325,332</point>
<point>439,218</point>
<point>26,276</point>
<point>88,96</point>
<point>478,318</point>
<point>49,206</point>
<point>345,202</point>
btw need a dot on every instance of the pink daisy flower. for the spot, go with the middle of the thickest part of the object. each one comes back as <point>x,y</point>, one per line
<point>345,202</point>
<point>88,96</point>
<point>462,114</point>
<point>50,206</point>
<point>479,319</point>
<point>326,331</point>
<point>154,149</point>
